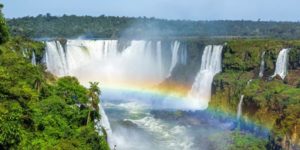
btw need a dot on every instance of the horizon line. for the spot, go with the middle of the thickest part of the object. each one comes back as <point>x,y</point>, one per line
<point>155,18</point>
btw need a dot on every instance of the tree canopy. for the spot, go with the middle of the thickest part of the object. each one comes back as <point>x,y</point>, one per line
<point>47,26</point>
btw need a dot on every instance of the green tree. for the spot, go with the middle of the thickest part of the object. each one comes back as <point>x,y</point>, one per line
<point>4,31</point>
<point>93,93</point>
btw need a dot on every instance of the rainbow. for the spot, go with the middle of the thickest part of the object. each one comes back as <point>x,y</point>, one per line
<point>178,97</point>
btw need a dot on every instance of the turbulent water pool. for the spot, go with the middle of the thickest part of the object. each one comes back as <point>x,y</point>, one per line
<point>137,123</point>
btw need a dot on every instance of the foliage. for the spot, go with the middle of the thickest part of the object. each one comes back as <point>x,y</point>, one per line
<point>72,26</point>
<point>246,54</point>
<point>70,89</point>
<point>246,142</point>
<point>4,31</point>
<point>93,93</point>
<point>41,113</point>
<point>236,140</point>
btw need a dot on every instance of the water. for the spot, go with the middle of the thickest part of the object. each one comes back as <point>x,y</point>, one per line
<point>159,59</point>
<point>55,58</point>
<point>33,59</point>
<point>137,125</point>
<point>183,56</point>
<point>249,81</point>
<point>175,49</point>
<point>240,107</point>
<point>100,60</point>
<point>262,65</point>
<point>104,123</point>
<point>210,66</point>
<point>282,64</point>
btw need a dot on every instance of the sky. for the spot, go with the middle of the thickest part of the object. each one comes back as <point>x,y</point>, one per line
<point>275,10</point>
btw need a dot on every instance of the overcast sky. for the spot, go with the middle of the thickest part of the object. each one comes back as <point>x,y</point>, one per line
<point>276,10</point>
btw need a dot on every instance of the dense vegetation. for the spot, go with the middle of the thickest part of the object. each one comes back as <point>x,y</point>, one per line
<point>4,32</point>
<point>47,26</point>
<point>38,111</point>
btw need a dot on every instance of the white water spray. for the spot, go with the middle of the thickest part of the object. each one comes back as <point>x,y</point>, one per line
<point>33,59</point>
<point>175,49</point>
<point>140,64</point>
<point>183,56</point>
<point>104,123</point>
<point>282,64</point>
<point>262,65</point>
<point>55,58</point>
<point>240,107</point>
<point>210,65</point>
<point>159,59</point>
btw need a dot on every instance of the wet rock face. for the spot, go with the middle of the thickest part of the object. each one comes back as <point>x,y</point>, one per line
<point>186,73</point>
<point>294,59</point>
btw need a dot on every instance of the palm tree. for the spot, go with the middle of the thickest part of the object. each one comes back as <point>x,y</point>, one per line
<point>93,93</point>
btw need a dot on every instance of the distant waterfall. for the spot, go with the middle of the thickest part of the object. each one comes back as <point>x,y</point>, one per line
<point>249,81</point>
<point>104,123</point>
<point>239,109</point>
<point>262,65</point>
<point>282,63</point>
<point>33,59</point>
<point>183,56</point>
<point>175,49</point>
<point>159,59</point>
<point>210,66</point>
<point>55,58</point>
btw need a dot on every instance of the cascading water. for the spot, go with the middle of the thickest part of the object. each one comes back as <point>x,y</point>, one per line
<point>183,56</point>
<point>262,65</point>
<point>104,123</point>
<point>282,63</point>
<point>55,58</point>
<point>239,109</point>
<point>240,105</point>
<point>249,81</point>
<point>175,49</point>
<point>159,59</point>
<point>100,60</point>
<point>33,59</point>
<point>210,66</point>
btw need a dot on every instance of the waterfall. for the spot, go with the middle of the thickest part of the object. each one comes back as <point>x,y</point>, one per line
<point>33,59</point>
<point>159,59</point>
<point>104,123</point>
<point>249,81</point>
<point>282,64</point>
<point>183,56</point>
<point>262,65</point>
<point>210,65</point>
<point>175,49</point>
<point>100,60</point>
<point>55,58</point>
<point>239,109</point>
